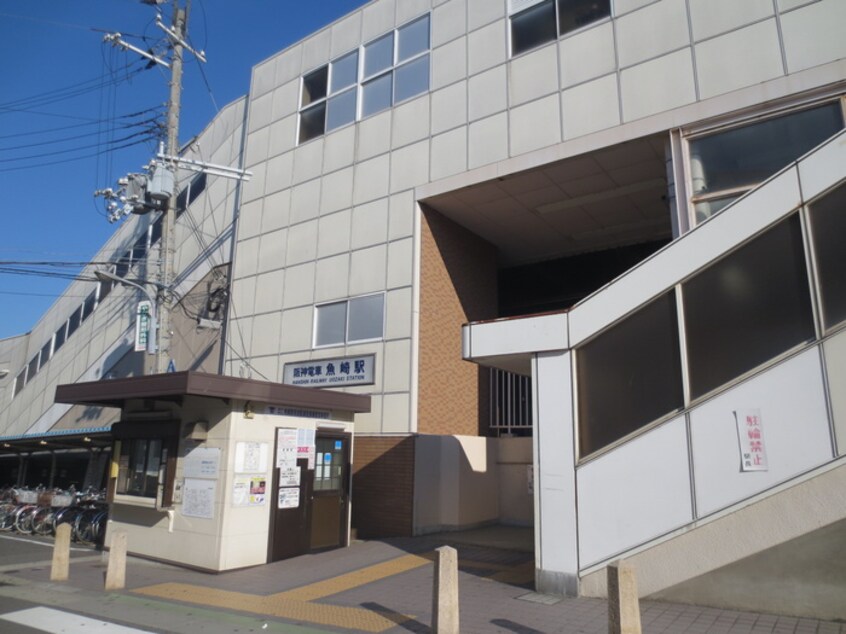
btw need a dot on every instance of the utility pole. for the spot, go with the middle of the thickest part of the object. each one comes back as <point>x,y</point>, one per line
<point>163,335</point>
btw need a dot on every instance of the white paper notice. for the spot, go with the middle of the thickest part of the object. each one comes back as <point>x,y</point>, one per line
<point>289,477</point>
<point>241,491</point>
<point>250,457</point>
<point>286,448</point>
<point>198,498</point>
<point>202,462</point>
<point>750,434</point>
<point>289,498</point>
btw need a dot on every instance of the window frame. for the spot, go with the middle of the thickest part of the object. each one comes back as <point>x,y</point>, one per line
<point>347,341</point>
<point>127,434</point>
<point>528,5</point>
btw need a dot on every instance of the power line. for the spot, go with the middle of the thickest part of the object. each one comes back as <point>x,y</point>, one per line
<point>149,132</point>
<point>76,158</point>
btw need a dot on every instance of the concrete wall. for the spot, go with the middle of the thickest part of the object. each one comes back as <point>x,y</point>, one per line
<point>455,483</point>
<point>516,481</point>
<point>383,486</point>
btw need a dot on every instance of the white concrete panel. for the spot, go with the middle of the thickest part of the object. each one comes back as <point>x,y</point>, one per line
<point>256,148</point>
<point>308,160</point>
<point>634,493</point>
<point>266,333</point>
<point>738,59</point>
<point>657,85</point>
<point>244,295</point>
<point>316,50</point>
<point>398,313</point>
<point>408,10</point>
<point>481,12</point>
<point>279,173</point>
<point>267,290</point>
<point>271,256</point>
<point>410,166</point>
<point>277,209</point>
<point>260,112</point>
<point>289,64</point>
<point>449,153</point>
<point>449,63</point>
<point>283,137</point>
<point>796,432</point>
<point>533,75</point>
<point>396,413</point>
<point>709,241</point>
<point>410,122</point>
<point>813,35</point>
<point>302,243</point>
<point>712,17</point>
<point>488,140</point>
<point>249,222</point>
<point>247,260</point>
<point>556,535</point>
<point>369,224</point>
<point>371,179</point>
<point>526,135</point>
<point>339,149</point>
<point>346,34</point>
<point>378,19</point>
<point>621,7</point>
<point>333,233</point>
<point>370,422</point>
<point>545,333</point>
<point>336,191</point>
<point>305,201</point>
<point>449,21</point>
<point>397,366</point>
<point>367,270</point>
<point>449,107</point>
<point>823,168</point>
<point>296,329</point>
<point>299,285</point>
<point>401,216</point>
<point>835,365</point>
<point>787,5</point>
<point>488,93</point>
<point>263,78</point>
<point>331,281</point>
<point>254,188</point>
<point>487,47</point>
<point>665,23</point>
<point>400,260</point>
<point>374,135</point>
<point>591,106</point>
<point>587,55</point>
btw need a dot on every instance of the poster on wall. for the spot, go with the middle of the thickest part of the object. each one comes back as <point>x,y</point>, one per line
<point>202,462</point>
<point>750,434</point>
<point>251,457</point>
<point>258,490</point>
<point>241,491</point>
<point>198,498</point>
<point>286,448</point>
<point>305,446</point>
<point>288,498</point>
<point>289,477</point>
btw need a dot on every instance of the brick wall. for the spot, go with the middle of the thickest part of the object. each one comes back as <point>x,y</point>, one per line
<point>383,486</point>
<point>458,283</point>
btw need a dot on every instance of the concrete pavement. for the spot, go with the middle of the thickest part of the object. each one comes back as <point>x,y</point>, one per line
<point>374,586</point>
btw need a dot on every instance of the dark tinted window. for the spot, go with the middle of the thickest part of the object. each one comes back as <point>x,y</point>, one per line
<point>314,85</point>
<point>574,14</point>
<point>828,228</point>
<point>313,122</point>
<point>533,27</point>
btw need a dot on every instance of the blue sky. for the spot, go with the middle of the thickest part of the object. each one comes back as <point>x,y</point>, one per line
<point>64,101</point>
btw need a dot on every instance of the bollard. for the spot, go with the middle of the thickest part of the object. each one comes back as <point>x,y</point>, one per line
<point>445,592</point>
<point>61,554</point>
<point>623,604</point>
<point>116,570</point>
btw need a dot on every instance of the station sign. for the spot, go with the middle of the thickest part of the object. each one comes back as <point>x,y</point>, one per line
<point>339,372</point>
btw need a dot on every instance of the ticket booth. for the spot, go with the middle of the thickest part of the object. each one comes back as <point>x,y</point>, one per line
<point>218,472</point>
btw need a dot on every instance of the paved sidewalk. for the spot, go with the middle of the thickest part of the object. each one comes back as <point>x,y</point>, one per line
<point>375,586</point>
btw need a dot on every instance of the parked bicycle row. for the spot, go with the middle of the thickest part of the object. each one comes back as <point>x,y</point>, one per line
<point>39,511</point>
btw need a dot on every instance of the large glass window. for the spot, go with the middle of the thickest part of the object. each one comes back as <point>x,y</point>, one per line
<point>725,165</point>
<point>544,21</point>
<point>138,469</point>
<point>747,308</point>
<point>350,321</point>
<point>629,375</point>
<point>828,229</point>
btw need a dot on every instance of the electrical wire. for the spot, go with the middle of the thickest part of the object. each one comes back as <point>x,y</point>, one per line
<point>134,135</point>
<point>76,158</point>
<point>74,126</point>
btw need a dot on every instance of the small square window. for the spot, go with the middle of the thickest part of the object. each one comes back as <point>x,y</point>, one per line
<point>413,39</point>
<point>60,337</point>
<point>344,72</point>
<point>331,324</point>
<point>341,109</point>
<point>312,122</point>
<point>366,317</point>
<point>379,55</point>
<point>46,353</point>
<point>574,14</point>
<point>411,79</point>
<point>314,86</point>
<point>533,27</point>
<point>376,95</point>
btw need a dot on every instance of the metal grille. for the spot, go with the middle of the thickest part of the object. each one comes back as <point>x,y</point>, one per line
<point>511,404</point>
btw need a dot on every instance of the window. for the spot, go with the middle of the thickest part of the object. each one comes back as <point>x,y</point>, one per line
<point>629,375</point>
<point>725,165</point>
<point>32,368</point>
<point>60,337</point>
<point>534,23</point>
<point>747,308</point>
<point>46,353</point>
<point>74,321</point>
<point>20,381</point>
<point>386,71</point>
<point>358,319</point>
<point>89,305</point>
<point>828,231</point>
<point>146,459</point>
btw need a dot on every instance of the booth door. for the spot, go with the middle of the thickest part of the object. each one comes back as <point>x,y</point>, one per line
<point>289,519</point>
<point>330,490</point>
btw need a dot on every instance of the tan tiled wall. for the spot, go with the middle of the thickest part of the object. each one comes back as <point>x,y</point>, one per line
<point>457,285</point>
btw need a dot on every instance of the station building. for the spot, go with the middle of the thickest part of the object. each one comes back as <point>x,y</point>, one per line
<point>584,256</point>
